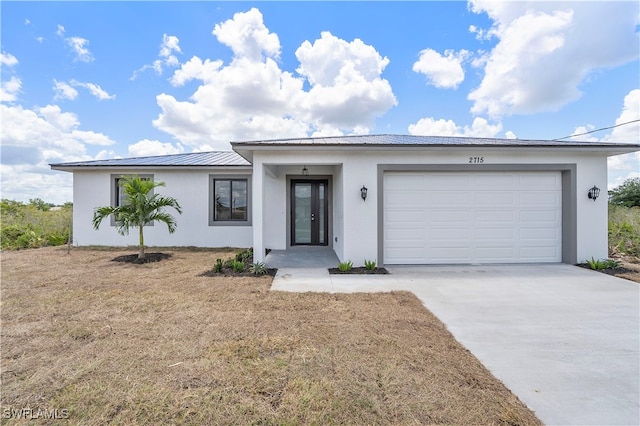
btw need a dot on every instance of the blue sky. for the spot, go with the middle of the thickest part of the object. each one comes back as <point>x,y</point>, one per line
<point>85,80</point>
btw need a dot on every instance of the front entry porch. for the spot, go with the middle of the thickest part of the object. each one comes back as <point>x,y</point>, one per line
<point>302,257</point>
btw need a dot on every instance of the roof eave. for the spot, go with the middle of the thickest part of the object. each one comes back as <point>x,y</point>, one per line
<point>76,167</point>
<point>246,149</point>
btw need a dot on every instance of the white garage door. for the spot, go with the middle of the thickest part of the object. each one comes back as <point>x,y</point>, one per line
<point>483,217</point>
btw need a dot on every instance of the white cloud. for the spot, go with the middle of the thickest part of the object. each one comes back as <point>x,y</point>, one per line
<point>31,139</point>
<point>252,98</point>
<point>7,59</point>
<point>346,88</point>
<point>64,90</point>
<point>621,167</point>
<point>444,71</point>
<point>148,147</point>
<point>247,36</point>
<point>480,128</point>
<point>78,44</point>
<point>67,90</point>
<point>630,112</point>
<point>545,50</point>
<point>9,89</point>
<point>95,90</point>
<point>169,46</point>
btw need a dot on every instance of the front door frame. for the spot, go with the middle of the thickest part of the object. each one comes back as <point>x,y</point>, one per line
<point>290,179</point>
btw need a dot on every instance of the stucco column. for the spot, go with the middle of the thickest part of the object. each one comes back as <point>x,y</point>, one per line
<point>257,209</point>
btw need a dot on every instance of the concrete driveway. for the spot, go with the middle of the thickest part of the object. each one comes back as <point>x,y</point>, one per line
<point>564,339</point>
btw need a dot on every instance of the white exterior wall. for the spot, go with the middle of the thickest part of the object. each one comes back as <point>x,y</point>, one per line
<point>356,222</point>
<point>592,216</point>
<point>92,189</point>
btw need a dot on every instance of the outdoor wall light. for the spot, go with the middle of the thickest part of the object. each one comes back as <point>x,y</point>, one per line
<point>305,171</point>
<point>593,193</point>
<point>363,192</point>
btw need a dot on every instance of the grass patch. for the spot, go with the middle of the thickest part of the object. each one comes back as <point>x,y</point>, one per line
<point>117,343</point>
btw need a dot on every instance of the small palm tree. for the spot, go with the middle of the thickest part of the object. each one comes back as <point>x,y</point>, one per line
<point>138,208</point>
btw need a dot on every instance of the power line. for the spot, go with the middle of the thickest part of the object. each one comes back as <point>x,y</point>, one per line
<point>598,130</point>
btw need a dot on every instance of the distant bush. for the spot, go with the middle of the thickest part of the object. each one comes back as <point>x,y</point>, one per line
<point>624,230</point>
<point>33,225</point>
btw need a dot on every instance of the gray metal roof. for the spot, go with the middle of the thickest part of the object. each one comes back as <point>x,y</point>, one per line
<point>413,140</point>
<point>234,159</point>
<point>195,159</point>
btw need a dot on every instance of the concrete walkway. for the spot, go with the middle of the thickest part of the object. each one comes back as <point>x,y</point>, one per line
<point>564,339</point>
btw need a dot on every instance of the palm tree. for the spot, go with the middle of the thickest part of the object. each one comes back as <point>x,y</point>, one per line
<point>138,208</point>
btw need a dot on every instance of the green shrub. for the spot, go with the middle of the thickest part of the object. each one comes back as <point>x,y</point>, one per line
<point>245,255</point>
<point>218,266</point>
<point>345,266</point>
<point>258,268</point>
<point>600,264</point>
<point>238,266</point>
<point>370,265</point>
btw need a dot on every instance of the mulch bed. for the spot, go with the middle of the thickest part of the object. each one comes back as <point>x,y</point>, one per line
<point>148,258</point>
<point>609,271</point>
<point>359,270</point>
<point>228,272</point>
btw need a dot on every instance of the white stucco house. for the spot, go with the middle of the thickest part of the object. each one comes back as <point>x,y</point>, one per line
<point>391,198</point>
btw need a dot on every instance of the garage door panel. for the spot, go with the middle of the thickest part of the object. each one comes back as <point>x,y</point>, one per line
<point>459,233</point>
<point>539,254</point>
<point>489,216</point>
<point>450,254</point>
<point>400,216</point>
<point>494,233</point>
<point>495,254</point>
<point>451,182</point>
<point>442,198</point>
<point>452,216</point>
<point>532,234</point>
<point>401,198</point>
<point>485,217</point>
<point>537,180</point>
<point>493,198</point>
<point>407,234</point>
<point>408,181</point>
<point>540,198</point>
<point>481,181</point>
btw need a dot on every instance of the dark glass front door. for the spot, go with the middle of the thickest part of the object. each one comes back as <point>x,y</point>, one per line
<point>309,212</point>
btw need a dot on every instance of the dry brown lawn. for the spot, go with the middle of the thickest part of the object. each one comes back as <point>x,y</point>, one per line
<point>158,344</point>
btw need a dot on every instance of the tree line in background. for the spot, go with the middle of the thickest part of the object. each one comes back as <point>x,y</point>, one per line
<point>37,223</point>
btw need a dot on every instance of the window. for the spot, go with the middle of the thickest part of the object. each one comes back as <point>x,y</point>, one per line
<point>118,196</point>
<point>229,200</point>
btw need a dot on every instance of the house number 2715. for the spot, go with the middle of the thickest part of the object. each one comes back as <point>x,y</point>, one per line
<point>476,160</point>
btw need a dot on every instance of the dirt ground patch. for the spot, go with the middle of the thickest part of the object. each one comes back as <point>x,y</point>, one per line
<point>157,343</point>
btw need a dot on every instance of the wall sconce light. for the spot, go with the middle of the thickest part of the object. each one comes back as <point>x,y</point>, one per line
<point>305,171</point>
<point>593,193</point>
<point>363,192</point>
